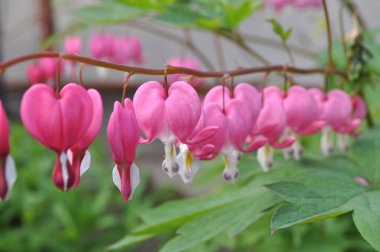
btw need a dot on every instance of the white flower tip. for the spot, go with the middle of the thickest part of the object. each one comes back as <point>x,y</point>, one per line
<point>10,174</point>
<point>85,164</point>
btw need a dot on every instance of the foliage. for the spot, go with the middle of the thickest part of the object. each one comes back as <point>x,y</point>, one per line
<point>314,189</point>
<point>199,14</point>
<point>39,217</point>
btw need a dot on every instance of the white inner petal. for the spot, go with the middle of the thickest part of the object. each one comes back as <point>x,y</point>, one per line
<point>135,178</point>
<point>343,142</point>
<point>116,177</point>
<point>265,157</point>
<point>231,172</point>
<point>297,150</point>
<point>86,162</point>
<point>10,174</point>
<point>327,141</point>
<point>65,173</point>
<point>188,165</point>
<point>170,165</point>
<point>70,156</point>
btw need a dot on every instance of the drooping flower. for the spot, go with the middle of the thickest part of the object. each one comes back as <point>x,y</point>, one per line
<point>169,117</point>
<point>35,74</point>
<point>302,113</point>
<point>234,114</point>
<point>78,155</point>
<point>58,121</point>
<point>123,135</point>
<point>187,63</point>
<point>49,68</point>
<point>101,46</point>
<point>337,110</point>
<point>73,44</point>
<point>271,125</point>
<point>7,166</point>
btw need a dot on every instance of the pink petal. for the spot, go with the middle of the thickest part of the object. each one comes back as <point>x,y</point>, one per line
<point>58,123</point>
<point>123,133</point>
<point>4,132</point>
<point>96,122</point>
<point>183,109</point>
<point>149,103</point>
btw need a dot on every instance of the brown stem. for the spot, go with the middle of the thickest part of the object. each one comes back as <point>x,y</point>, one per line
<point>329,35</point>
<point>330,64</point>
<point>170,69</point>
<point>125,85</point>
<point>219,51</point>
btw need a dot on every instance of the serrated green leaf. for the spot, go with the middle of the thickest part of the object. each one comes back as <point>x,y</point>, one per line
<point>316,195</point>
<point>209,225</point>
<point>367,217</point>
<point>173,214</point>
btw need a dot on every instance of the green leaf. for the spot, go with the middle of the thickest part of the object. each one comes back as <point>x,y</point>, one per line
<point>235,14</point>
<point>129,240</point>
<point>108,12</point>
<point>367,217</point>
<point>279,30</point>
<point>213,223</point>
<point>181,15</point>
<point>173,214</point>
<point>365,151</point>
<point>251,214</point>
<point>317,195</point>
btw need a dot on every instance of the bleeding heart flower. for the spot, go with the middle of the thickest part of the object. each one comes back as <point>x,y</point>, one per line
<point>271,125</point>
<point>187,63</point>
<point>169,116</point>
<point>7,166</point>
<point>123,135</point>
<point>235,115</point>
<point>302,113</point>
<point>73,44</point>
<point>339,114</point>
<point>136,50</point>
<point>35,74</point>
<point>49,68</point>
<point>79,155</point>
<point>58,122</point>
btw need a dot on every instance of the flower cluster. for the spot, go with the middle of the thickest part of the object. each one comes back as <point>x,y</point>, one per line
<point>227,122</point>
<point>116,49</point>
<point>279,5</point>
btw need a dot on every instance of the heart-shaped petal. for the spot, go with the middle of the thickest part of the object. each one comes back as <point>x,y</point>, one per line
<point>149,104</point>
<point>57,122</point>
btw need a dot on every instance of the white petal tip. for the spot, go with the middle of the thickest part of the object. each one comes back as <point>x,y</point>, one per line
<point>85,164</point>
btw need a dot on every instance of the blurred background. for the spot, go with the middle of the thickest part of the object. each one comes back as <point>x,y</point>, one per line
<point>38,217</point>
